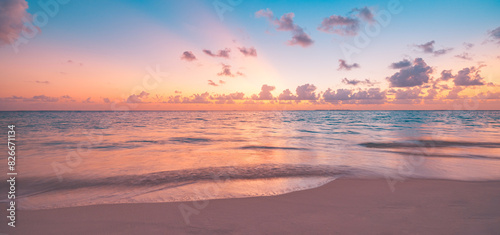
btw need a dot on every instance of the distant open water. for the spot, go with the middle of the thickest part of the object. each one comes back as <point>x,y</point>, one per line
<point>69,159</point>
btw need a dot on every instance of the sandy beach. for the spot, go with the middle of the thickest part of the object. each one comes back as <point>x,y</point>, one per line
<point>345,206</point>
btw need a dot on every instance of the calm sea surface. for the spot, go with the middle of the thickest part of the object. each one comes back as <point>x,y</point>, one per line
<point>83,158</point>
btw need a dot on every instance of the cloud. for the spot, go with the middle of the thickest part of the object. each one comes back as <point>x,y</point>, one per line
<point>12,15</point>
<point>74,63</point>
<point>221,53</point>
<point>407,96</point>
<point>364,14</point>
<point>344,26</point>
<point>287,95</point>
<point>300,38</point>
<point>415,75</point>
<point>347,96</point>
<point>248,51</point>
<point>285,23</point>
<point>228,99</point>
<point>465,56</point>
<point>410,93</point>
<point>442,51</point>
<point>43,82</point>
<point>38,98</point>
<point>174,99</point>
<point>401,64</point>
<point>428,47</point>
<point>45,98</point>
<point>88,101</point>
<point>489,95</point>
<point>306,92</point>
<point>268,14</point>
<point>265,93</point>
<point>355,82</point>
<point>137,98</point>
<point>202,98</point>
<point>236,96</point>
<point>468,45</point>
<point>334,97</point>
<point>431,93</point>
<point>453,94</point>
<point>446,75</point>
<point>212,83</point>
<point>188,56</point>
<point>226,71</point>
<point>370,96</point>
<point>14,98</point>
<point>106,100</point>
<point>495,35</point>
<point>344,66</point>
<point>468,77</point>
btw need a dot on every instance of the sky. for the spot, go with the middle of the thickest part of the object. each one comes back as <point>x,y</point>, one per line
<point>249,55</point>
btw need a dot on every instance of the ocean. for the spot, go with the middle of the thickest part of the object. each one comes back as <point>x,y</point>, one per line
<point>77,158</point>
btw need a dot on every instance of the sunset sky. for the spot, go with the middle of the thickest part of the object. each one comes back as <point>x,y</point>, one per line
<point>249,55</point>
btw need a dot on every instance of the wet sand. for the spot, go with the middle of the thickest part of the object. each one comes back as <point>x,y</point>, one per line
<point>344,206</point>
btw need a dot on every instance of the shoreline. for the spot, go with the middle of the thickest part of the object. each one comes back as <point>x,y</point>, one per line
<point>424,206</point>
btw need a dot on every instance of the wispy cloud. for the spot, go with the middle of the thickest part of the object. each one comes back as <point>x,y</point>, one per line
<point>221,53</point>
<point>468,45</point>
<point>344,66</point>
<point>364,13</point>
<point>285,23</point>
<point>248,51</point>
<point>355,82</point>
<point>88,100</point>
<point>494,35</point>
<point>212,83</point>
<point>428,47</point>
<point>465,56</point>
<point>188,56</point>
<point>400,64</point>
<point>226,71</point>
<point>346,25</point>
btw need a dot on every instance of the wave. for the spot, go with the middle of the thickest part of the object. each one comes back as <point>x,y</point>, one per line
<point>270,147</point>
<point>189,140</point>
<point>424,154</point>
<point>430,144</point>
<point>180,177</point>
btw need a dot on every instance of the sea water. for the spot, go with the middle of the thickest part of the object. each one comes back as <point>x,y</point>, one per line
<point>66,159</point>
